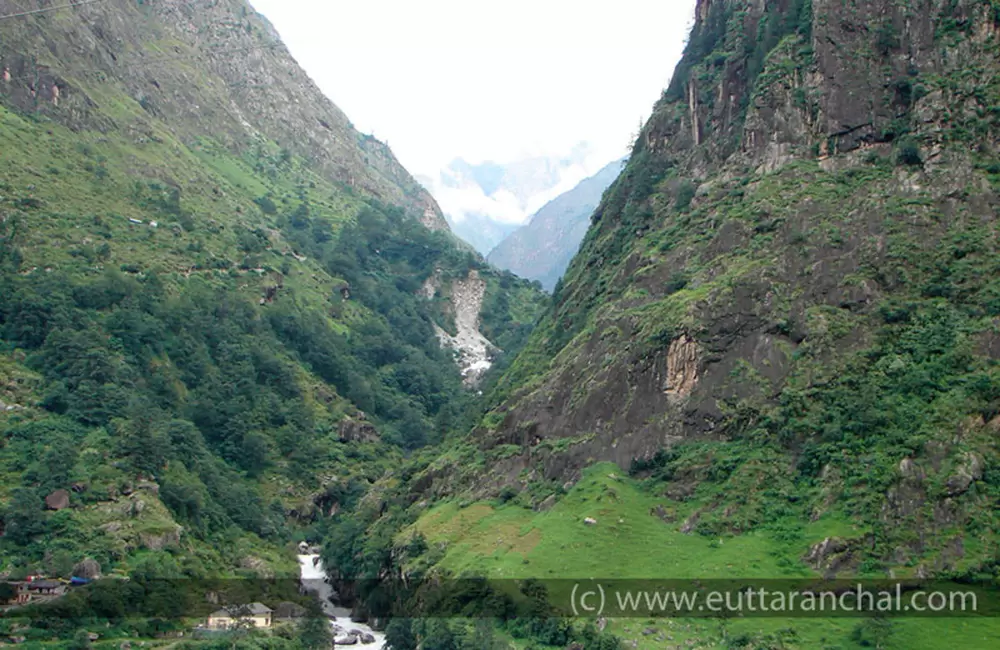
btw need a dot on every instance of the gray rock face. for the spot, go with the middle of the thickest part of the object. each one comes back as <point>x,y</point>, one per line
<point>157,541</point>
<point>542,249</point>
<point>357,430</point>
<point>87,568</point>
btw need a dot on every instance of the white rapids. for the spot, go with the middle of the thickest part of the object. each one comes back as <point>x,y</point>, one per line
<point>313,579</point>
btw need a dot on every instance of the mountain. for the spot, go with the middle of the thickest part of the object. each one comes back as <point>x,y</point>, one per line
<point>484,202</point>
<point>481,231</point>
<point>777,351</point>
<point>542,249</point>
<point>223,311</point>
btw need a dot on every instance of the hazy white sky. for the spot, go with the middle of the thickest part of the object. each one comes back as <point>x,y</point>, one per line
<point>440,79</point>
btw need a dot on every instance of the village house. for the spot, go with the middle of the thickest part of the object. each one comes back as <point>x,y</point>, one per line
<point>256,614</point>
<point>44,587</point>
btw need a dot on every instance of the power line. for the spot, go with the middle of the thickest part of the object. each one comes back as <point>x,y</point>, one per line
<point>47,9</point>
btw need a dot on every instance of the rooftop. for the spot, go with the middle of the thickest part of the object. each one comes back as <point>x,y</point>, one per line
<point>253,609</point>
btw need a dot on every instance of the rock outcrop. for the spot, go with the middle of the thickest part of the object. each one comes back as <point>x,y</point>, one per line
<point>88,569</point>
<point>157,540</point>
<point>357,429</point>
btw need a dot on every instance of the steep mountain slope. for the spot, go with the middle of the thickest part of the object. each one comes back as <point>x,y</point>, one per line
<point>791,269</point>
<point>212,327</point>
<point>214,68</point>
<point>542,249</point>
<point>783,324</point>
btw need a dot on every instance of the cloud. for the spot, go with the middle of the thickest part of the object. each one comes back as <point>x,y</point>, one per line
<point>439,79</point>
<point>512,191</point>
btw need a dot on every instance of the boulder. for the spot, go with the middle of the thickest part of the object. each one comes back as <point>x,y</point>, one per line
<point>663,514</point>
<point>148,486</point>
<point>87,568</point>
<point>590,521</point>
<point>161,540</point>
<point>546,503</point>
<point>347,640</point>
<point>820,551</point>
<point>58,500</point>
<point>111,527</point>
<point>690,523</point>
<point>958,483</point>
<point>257,565</point>
<point>910,470</point>
<point>969,470</point>
<point>832,555</point>
<point>356,430</point>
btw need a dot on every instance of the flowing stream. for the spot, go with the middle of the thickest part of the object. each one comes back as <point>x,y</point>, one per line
<point>313,578</point>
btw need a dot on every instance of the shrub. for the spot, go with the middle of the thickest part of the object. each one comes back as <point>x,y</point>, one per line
<point>908,153</point>
<point>685,194</point>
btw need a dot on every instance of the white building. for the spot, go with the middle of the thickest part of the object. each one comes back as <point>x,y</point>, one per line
<point>256,614</point>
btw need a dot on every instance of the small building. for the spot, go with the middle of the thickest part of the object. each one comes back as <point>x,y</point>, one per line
<point>14,593</point>
<point>45,587</point>
<point>256,614</point>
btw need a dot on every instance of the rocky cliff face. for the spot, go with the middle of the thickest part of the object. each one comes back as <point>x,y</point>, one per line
<point>806,225</point>
<point>542,249</point>
<point>206,67</point>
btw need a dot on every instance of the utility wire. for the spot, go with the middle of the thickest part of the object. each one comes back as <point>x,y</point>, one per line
<point>47,9</point>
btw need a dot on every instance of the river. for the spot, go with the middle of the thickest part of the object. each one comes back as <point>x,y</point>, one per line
<point>313,578</point>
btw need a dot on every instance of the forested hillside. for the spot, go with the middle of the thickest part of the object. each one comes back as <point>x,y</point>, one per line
<point>212,324</point>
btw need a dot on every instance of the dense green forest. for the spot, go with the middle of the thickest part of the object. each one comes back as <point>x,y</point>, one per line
<point>199,387</point>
